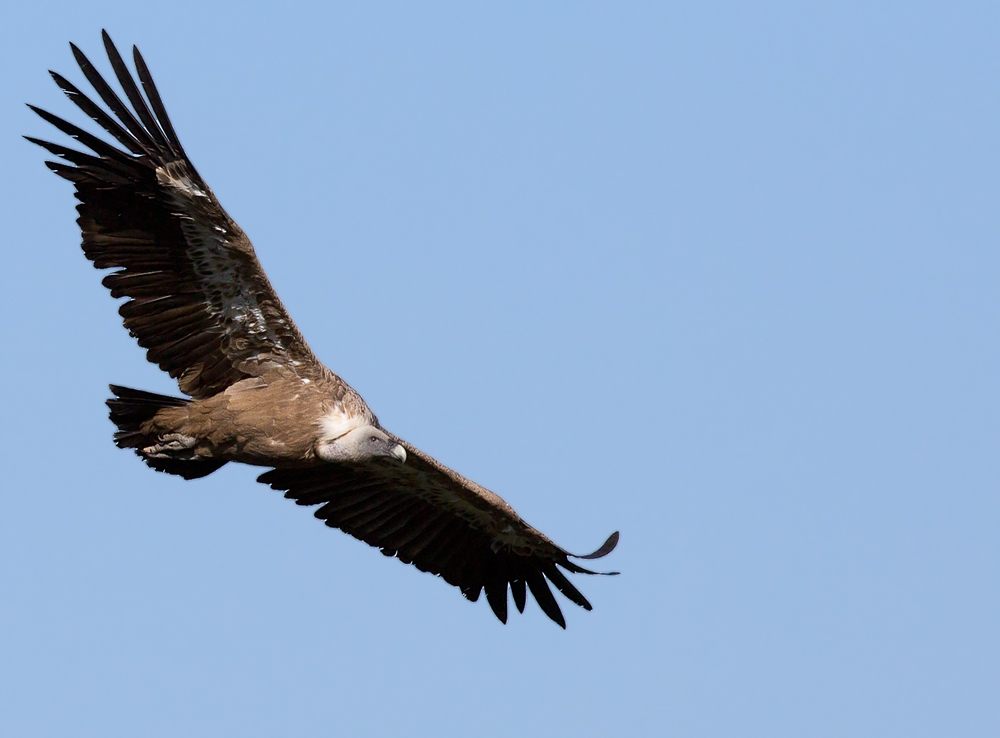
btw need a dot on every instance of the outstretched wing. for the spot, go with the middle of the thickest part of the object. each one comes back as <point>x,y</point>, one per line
<point>432,517</point>
<point>198,298</point>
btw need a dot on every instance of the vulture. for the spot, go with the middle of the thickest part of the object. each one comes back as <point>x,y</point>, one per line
<point>199,303</point>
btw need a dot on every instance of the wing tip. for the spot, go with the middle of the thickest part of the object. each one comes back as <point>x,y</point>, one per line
<point>607,547</point>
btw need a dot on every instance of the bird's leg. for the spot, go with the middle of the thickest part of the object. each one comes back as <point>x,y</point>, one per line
<point>172,446</point>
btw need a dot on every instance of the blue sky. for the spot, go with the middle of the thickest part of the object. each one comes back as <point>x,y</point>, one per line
<point>720,276</point>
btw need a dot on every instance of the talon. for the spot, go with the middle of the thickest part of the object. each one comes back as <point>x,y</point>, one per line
<point>178,441</point>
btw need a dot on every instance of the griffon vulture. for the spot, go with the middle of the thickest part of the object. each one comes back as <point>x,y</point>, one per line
<point>198,301</point>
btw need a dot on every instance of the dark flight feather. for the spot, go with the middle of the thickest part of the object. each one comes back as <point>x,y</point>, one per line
<point>398,510</point>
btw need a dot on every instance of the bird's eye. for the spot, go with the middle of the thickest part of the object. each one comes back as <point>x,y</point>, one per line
<point>374,439</point>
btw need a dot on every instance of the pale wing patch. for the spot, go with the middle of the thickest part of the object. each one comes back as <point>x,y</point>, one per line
<point>209,248</point>
<point>180,181</point>
<point>336,423</point>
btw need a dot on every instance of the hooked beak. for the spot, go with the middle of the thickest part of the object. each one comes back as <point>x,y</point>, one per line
<point>399,452</point>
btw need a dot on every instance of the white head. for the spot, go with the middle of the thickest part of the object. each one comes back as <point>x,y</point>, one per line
<point>360,444</point>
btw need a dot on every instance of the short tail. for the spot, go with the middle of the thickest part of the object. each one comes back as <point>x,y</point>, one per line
<point>130,408</point>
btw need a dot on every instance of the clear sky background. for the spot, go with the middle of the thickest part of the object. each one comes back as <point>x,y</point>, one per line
<point>723,276</point>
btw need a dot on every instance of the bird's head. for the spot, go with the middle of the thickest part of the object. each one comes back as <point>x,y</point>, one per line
<point>360,444</point>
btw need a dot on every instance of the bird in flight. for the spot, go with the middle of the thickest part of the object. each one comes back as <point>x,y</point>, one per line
<point>200,304</point>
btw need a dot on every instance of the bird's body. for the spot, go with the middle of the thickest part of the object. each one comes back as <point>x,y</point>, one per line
<point>200,303</point>
<point>276,419</point>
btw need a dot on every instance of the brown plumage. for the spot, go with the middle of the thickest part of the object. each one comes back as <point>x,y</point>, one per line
<point>202,307</point>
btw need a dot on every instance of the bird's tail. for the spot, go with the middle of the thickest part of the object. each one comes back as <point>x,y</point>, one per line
<point>130,409</point>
